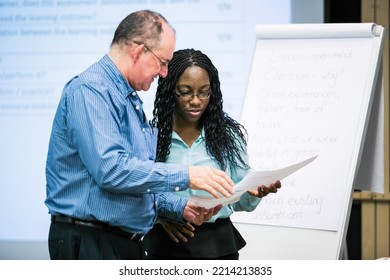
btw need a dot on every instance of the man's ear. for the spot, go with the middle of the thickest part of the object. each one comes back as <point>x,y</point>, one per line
<point>136,51</point>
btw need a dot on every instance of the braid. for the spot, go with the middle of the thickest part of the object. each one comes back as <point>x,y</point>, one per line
<point>221,131</point>
<point>164,105</point>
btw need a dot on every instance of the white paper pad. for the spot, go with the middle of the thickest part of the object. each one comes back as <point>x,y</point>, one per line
<point>250,182</point>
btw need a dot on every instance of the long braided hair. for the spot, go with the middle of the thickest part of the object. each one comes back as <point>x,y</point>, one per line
<point>220,129</point>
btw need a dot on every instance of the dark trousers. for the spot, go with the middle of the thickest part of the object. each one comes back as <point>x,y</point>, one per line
<point>74,242</point>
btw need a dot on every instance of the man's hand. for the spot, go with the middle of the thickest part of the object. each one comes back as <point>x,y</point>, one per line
<point>197,215</point>
<point>193,214</point>
<point>210,179</point>
<point>264,191</point>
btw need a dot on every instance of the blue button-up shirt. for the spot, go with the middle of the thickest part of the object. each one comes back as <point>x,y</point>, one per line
<point>100,162</point>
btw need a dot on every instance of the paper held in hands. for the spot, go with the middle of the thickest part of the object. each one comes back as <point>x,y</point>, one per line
<point>250,182</point>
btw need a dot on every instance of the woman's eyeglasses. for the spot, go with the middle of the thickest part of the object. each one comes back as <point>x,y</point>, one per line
<point>187,96</point>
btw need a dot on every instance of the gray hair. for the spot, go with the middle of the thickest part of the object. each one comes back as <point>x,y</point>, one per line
<point>143,26</point>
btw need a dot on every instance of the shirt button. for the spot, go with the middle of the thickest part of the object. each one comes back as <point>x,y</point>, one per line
<point>137,107</point>
<point>177,189</point>
<point>133,93</point>
<point>148,190</point>
<point>143,129</point>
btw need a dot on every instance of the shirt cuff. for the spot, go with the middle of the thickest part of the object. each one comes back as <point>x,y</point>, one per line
<point>247,203</point>
<point>178,178</point>
<point>171,206</point>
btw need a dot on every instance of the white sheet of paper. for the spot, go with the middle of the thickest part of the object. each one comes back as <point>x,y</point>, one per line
<point>250,182</point>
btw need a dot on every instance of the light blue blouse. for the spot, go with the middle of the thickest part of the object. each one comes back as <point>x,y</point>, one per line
<point>196,155</point>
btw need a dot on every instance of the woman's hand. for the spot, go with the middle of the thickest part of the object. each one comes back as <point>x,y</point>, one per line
<point>178,232</point>
<point>264,191</point>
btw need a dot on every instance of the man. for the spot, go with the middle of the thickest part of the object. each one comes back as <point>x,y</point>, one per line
<point>101,176</point>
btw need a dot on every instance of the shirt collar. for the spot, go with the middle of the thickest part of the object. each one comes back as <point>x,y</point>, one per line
<point>109,66</point>
<point>177,137</point>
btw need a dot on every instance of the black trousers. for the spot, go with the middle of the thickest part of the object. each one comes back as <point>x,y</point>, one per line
<point>74,242</point>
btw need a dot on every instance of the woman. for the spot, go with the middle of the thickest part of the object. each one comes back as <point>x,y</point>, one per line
<point>194,129</point>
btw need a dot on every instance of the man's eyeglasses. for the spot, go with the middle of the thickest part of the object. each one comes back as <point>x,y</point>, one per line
<point>162,62</point>
<point>187,96</point>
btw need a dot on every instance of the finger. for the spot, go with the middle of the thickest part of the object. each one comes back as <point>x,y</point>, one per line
<point>273,190</point>
<point>216,182</point>
<point>217,208</point>
<point>277,184</point>
<point>173,237</point>
<point>260,192</point>
<point>209,214</point>
<point>222,174</point>
<point>265,191</point>
<point>186,232</point>
<point>221,185</point>
<point>189,227</point>
<point>198,220</point>
<point>212,211</point>
<point>193,209</point>
<point>210,190</point>
<point>215,189</point>
<point>181,236</point>
<point>254,193</point>
<point>212,180</point>
<point>225,182</point>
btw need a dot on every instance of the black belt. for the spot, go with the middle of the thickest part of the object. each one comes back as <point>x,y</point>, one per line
<point>97,225</point>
